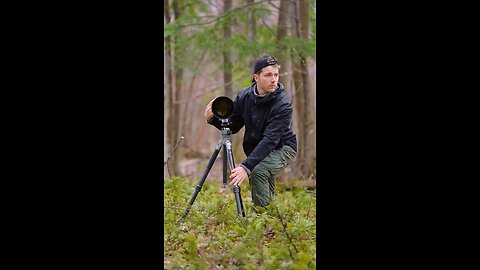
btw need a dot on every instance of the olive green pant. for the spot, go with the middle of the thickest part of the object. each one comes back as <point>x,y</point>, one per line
<point>262,178</point>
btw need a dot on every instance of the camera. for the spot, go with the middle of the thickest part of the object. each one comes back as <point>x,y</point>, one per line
<point>222,107</point>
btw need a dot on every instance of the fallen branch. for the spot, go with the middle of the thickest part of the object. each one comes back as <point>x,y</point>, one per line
<point>284,226</point>
<point>175,147</point>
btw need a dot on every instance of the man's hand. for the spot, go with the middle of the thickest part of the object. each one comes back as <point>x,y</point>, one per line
<point>238,175</point>
<point>208,111</point>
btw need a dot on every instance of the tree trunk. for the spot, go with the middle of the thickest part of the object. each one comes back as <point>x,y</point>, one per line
<point>165,107</point>
<point>302,89</point>
<point>227,71</point>
<point>252,34</point>
<point>169,87</point>
<point>299,110</point>
<point>308,112</point>
<point>281,52</point>
<point>172,93</point>
<point>178,113</point>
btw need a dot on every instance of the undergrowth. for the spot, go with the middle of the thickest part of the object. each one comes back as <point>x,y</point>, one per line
<point>213,237</point>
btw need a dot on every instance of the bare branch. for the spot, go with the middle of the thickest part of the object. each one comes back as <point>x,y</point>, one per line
<point>276,7</point>
<point>225,14</point>
<point>284,226</point>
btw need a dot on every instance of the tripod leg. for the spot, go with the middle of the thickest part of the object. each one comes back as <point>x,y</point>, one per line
<point>200,184</point>
<point>225,167</point>
<point>236,188</point>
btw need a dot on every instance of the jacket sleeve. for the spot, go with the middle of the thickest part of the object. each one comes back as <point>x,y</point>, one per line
<point>276,127</point>
<point>236,119</point>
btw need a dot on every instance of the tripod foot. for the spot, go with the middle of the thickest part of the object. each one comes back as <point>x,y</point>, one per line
<point>184,214</point>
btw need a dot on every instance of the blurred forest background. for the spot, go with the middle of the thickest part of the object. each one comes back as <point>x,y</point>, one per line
<point>210,47</point>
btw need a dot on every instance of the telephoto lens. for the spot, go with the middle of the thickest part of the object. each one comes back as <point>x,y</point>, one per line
<point>222,107</point>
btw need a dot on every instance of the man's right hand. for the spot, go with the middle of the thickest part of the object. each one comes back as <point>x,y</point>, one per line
<point>208,111</point>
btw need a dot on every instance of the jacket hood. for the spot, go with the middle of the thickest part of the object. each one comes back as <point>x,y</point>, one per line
<point>268,97</point>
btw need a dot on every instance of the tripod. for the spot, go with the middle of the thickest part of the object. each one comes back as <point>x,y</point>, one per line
<point>227,155</point>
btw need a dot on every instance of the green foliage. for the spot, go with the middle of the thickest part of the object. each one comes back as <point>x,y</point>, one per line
<point>213,237</point>
<point>198,31</point>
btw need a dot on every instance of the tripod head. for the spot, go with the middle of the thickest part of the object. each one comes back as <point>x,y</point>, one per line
<point>226,132</point>
<point>225,123</point>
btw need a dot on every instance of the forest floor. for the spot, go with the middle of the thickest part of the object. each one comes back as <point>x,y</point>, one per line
<point>213,236</point>
<point>194,168</point>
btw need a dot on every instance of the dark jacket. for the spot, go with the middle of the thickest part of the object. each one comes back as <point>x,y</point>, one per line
<point>267,123</point>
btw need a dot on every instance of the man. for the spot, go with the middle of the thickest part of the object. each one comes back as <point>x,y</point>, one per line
<point>269,143</point>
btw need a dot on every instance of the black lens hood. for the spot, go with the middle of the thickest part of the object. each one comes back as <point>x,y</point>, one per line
<point>222,107</point>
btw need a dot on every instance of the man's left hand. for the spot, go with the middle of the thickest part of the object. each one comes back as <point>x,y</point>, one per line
<point>238,175</point>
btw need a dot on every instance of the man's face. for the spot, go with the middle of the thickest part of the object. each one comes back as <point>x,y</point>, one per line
<point>267,80</point>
